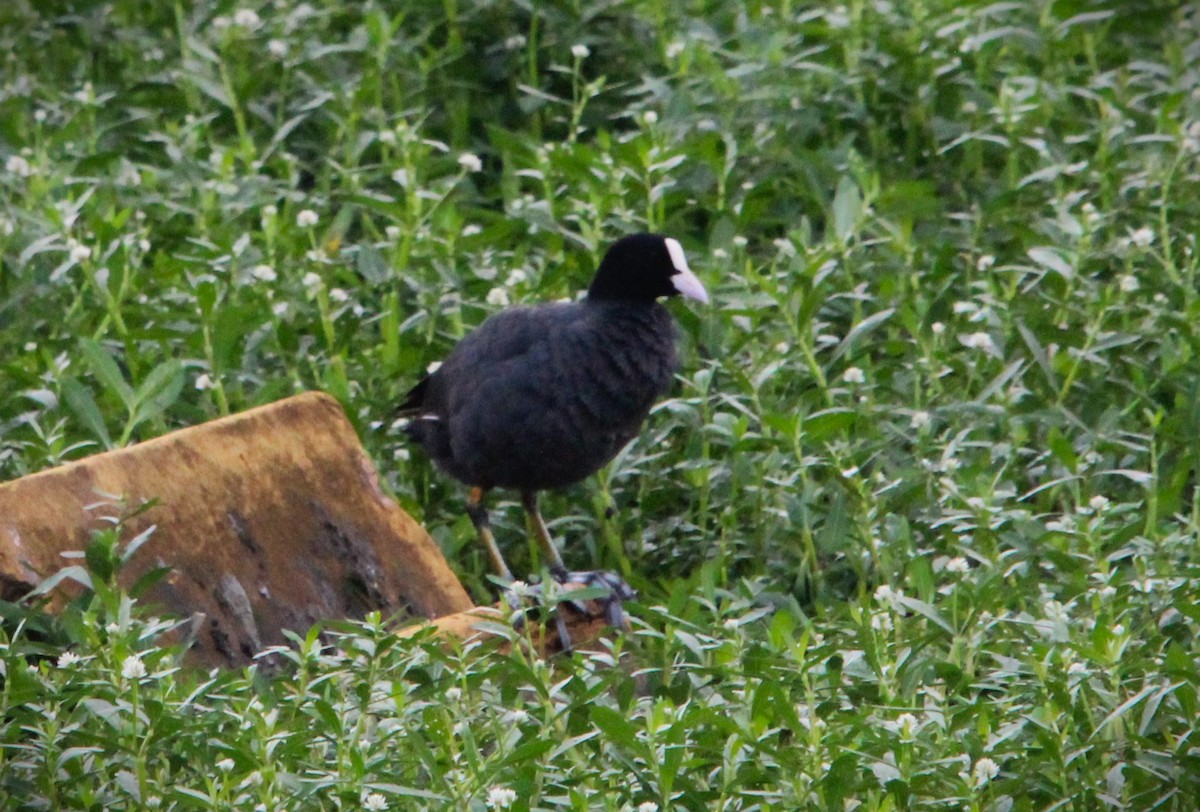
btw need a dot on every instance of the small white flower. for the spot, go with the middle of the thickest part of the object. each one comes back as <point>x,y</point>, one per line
<point>374,802</point>
<point>978,341</point>
<point>67,659</point>
<point>675,49</point>
<point>401,453</point>
<point>307,218</point>
<point>985,770</point>
<point>497,297</point>
<point>647,806</point>
<point>433,367</point>
<point>264,273</point>
<point>204,381</point>
<point>965,308</point>
<point>470,162</point>
<point>854,375</point>
<point>1128,283</point>
<point>225,765</point>
<point>311,280</point>
<point>400,176</point>
<point>113,628</point>
<point>471,230</point>
<point>516,277</point>
<point>516,716</point>
<point>247,18</point>
<point>580,51</point>
<point>500,798</point>
<point>1064,524</point>
<point>1056,625</point>
<point>280,309</point>
<point>514,42</point>
<point>920,420</point>
<point>889,597</point>
<point>80,253</point>
<point>976,503</point>
<point>907,727</point>
<point>31,346</point>
<point>1098,503</point>
<point>277,48</point>
<point>985,262</point>
<point>133,667</point>
<point>269,210</point>
<point>720,253</point>
<point>18,166</point>
<point>958,565</point>
<point>338,295</point>
<point>740,242</point>
<point>39,116</point>
<point>650,117</point>
<point>1142,237</point>
<point>85,94</point>
<point>785,246</point>
<point>454,693</point>
<point>937,328</point>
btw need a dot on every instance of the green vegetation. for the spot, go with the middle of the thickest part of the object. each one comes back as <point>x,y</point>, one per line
<point>918,527</point>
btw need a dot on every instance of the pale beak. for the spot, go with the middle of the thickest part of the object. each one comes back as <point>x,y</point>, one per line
<point>689,286</point>
<point>683,279</point>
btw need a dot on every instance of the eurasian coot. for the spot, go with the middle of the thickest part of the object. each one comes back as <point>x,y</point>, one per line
<point>543,396</point>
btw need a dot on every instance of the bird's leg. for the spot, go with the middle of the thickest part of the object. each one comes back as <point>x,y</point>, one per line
<point>483,526</point>
<point>553,559</point>
<point>618,590</point>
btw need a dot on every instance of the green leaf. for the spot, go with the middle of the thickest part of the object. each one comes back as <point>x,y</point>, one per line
<point>864,327</point>
<point>847,206</point>
<point>136,544</point>
<point>79,399</point>
<point>372,266</point>
<point>530,751</point>
<point>158,391</point>
<point>820,425</point>
<point>614,726</point>
<point>922,608</point>
<point>106,370</point>
<point>101,558</point>
<point>1051,259</point>
<point>74,573</point>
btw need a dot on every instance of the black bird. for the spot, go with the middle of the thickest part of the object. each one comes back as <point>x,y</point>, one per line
<point>543,396</point>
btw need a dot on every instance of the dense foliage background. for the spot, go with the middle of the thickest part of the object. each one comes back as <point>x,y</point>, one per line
<point>917,528</point>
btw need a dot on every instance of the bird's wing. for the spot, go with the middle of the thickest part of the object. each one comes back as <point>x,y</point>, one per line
<point>489,352</point>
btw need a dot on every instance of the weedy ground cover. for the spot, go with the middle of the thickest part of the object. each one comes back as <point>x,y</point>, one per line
<point>917,528</point>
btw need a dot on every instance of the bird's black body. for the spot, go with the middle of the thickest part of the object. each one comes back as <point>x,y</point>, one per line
<point>542,397</point>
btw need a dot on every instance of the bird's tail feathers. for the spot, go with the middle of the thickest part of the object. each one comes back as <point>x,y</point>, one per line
<point>414,399</point>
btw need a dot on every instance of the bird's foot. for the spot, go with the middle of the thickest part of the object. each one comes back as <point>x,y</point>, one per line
<point>593,595</point>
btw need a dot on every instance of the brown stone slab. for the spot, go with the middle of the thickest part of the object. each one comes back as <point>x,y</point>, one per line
<point>268,520</point>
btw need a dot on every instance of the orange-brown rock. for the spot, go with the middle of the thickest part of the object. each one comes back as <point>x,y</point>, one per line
<point>268,520</point>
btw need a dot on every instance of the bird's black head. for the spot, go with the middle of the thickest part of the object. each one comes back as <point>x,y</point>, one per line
<point>645,267</point>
